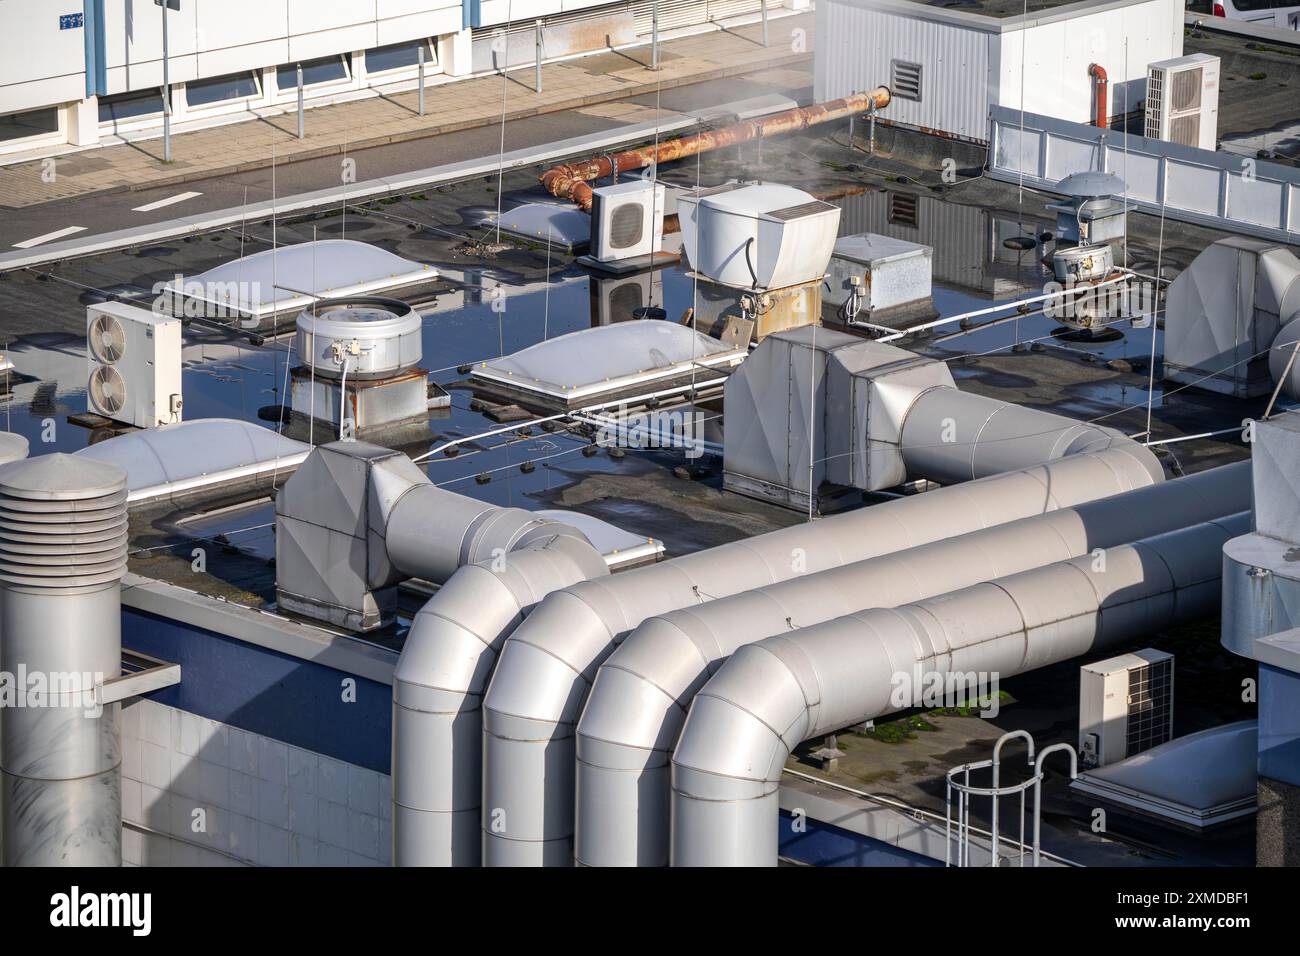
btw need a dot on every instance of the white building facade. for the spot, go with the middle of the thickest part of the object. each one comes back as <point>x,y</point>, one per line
<point>74,73</point>
<point>947,67</point>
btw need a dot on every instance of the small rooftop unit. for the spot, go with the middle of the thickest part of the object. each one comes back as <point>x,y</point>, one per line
<point>878,279</point>
<point>134,360</point>
<point>764,236</point>
<point>627,220</point>
<point>1126,706</point>
<point>360,371</point>
<point>1182,103</point>
<point>1090,212</point>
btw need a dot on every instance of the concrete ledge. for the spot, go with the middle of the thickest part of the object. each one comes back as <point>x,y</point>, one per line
<point>263,629</point>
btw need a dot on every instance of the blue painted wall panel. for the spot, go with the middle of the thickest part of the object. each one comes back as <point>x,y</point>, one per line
<point>1279,724</point>
<point>266,692</point>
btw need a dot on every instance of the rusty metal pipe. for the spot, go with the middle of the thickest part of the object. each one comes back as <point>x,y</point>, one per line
<point>569,180</point>
<point>1101,87</point>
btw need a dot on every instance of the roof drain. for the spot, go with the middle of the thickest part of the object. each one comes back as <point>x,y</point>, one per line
<point>548,664</point>
<point>641,694</point>
<point>726,766</point>
<point>61,560</point>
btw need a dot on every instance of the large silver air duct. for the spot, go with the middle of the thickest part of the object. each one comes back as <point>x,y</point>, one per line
<point>643,690</point>
<point>548,664</point>
<point>438,690</point>
<point>769,696</point>
<point>63,543</point>
<point>355,519</point>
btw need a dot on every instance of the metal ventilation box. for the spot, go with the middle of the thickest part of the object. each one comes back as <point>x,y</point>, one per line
<point>1182,103</point>
<point>1126,706</point>
<point>134,365</point>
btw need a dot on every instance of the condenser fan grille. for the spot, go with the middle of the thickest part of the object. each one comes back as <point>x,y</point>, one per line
<point>107,338</point>
<point>107,389</point>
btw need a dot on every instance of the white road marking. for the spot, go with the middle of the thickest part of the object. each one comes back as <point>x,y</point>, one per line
<point>150,207</point>
<point>58,234</point>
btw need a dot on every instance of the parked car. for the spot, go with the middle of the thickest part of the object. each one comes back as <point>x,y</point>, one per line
<point>1284,14</point>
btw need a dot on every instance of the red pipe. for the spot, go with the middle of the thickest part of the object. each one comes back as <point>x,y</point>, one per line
<point>1098,72</point>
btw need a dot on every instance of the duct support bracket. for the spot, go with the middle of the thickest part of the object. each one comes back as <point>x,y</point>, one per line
<point>142,674</point>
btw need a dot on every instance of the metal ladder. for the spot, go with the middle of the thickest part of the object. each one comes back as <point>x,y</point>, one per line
<point>958,833</point>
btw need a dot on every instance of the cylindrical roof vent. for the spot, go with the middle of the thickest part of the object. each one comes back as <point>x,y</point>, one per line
<point>63,543</point>
<point>62,523</point>
<point>369,336</point>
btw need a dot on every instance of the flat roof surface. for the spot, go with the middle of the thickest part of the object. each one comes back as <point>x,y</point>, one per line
<point>997,9</point>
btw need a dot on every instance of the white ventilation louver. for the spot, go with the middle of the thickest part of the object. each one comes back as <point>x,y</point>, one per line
<point>1126,706</point>
<point>134,358</point>
<point>1182,104</point>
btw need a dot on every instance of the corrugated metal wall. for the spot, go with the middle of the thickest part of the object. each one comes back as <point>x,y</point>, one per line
<point>968,67</point>
<point>855,47</point>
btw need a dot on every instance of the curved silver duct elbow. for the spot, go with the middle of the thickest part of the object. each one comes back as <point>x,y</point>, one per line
<point>770,696</point>
<point>642,691</point>
<point>951,435</point>
<point>430,532</point>
<point>549,663</point>
<point>443,671</point>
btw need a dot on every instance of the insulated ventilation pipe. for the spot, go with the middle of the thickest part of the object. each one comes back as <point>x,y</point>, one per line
<point>876,415</point>
<point>355,519</point>
<point>642,692</point>
<point>770,696</point>
<point>63,543</point>
<point>547,666</point>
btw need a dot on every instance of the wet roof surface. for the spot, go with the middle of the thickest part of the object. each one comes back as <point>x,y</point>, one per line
<point>228,373</point>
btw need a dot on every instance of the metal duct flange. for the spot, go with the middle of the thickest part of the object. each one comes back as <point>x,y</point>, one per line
<point>63,523</point>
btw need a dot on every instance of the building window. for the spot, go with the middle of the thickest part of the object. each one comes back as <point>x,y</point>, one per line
<point>125,106</point>
<point>328,69</point>
<point>31,123</point>
<point>396,56</point>
<point>905,80</point>
<point>218,89</point>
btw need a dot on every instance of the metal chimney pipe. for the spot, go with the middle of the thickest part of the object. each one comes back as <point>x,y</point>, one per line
<point>63,543</point>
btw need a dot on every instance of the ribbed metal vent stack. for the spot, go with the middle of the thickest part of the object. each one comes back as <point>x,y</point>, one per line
<point>62,523</point>
<point>63,543</point>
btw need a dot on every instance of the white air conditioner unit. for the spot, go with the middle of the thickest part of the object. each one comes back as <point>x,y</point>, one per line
<point>627,220</point>
<point>134,360</point>
<point>617,299</point>
<point>757,236</point>
<point>1126,706</point>
<point>1183,101</point>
